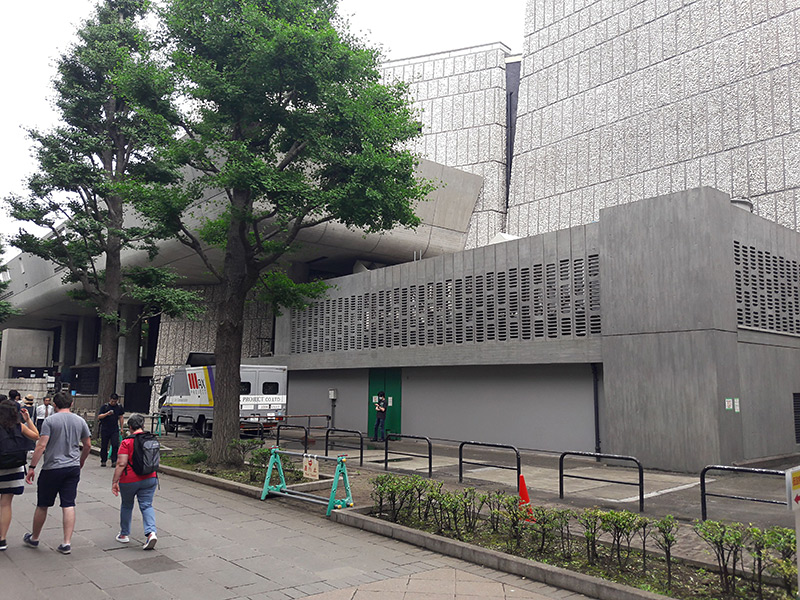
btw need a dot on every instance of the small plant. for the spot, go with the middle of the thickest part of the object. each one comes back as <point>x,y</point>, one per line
<point>727,543</point>
<point>756,545</point>
<point>199,451</point>
<point>643,530</point>
<point>781,546</point>
<point>590,521</point>
<point>666,530</point>
<point>494,503</point>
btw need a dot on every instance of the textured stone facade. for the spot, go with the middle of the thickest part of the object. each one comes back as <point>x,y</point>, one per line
<point>622,100</point>
<point>461,98</point>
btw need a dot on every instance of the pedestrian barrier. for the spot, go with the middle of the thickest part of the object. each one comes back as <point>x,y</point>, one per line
<point>281,489</point>
<point>462,462</point>
<point>704,493</point>
<point>155,423</point>
<point>188,419</point>
<point>287,426</point>
<point>360,446</point>
<point>412,437</point>
<point>561,474</point>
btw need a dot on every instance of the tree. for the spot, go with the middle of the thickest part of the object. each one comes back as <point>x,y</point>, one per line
<point>288,118</point>
<point>6,308</point>
<point>92,168</point>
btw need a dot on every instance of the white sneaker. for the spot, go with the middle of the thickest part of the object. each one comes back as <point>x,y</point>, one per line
<point>123,539</point>
<point>151,542</point>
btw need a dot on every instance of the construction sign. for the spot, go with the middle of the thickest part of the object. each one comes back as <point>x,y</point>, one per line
<point>310,467</point>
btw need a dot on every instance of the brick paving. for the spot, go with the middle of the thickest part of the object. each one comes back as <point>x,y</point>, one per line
<point>217,545</point>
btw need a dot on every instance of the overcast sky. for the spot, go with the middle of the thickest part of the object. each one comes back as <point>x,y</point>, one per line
<point>33,33</point>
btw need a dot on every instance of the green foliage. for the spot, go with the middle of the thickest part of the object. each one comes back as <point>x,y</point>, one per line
<point>781,546</point>
<point>199,451</point>
<point>289,120</point>
<point>95,170</point>
<point>590,520</point>
<point>6,308</point>
<point>665,536</point>
<point>496,520</point>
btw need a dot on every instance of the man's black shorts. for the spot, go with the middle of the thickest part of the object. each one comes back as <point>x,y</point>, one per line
<point>63,482</point>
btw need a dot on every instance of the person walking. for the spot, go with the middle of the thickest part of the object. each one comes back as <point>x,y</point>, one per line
<point>130,485</point>
<point>60,443</point>
<point>380,418</point>
<point>111,417</point>
<point>44,410</point>
<point>11,478</point>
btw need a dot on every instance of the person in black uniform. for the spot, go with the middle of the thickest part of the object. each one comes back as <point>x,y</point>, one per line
<point>380,418</point>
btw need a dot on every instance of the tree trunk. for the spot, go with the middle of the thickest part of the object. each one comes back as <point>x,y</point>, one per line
<point>109,340</point>
<point>228,353</point>
<point>238,278</point>
<point>109,313</point>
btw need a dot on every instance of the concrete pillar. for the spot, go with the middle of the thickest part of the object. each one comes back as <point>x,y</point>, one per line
<point>128,351</point>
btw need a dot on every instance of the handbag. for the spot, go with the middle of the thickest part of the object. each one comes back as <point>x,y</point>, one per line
<point>14,448</point>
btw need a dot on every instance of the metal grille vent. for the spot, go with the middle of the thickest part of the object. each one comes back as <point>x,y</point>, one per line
<point>767,290</point>
<point>554,300</point>
<point>796,401</point>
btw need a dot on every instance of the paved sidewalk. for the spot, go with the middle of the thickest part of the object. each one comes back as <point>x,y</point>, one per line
<point>218,545</point>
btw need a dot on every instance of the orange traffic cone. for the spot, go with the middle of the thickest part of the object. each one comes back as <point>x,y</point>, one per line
<point>524,499</point>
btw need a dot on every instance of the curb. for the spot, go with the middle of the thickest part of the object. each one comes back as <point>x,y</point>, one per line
<point>555,576</point>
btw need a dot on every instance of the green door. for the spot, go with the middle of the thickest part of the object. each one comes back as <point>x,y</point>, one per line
<point>388,381</point>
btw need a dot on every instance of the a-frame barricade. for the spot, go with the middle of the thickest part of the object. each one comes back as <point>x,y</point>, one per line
<point>281,489</point>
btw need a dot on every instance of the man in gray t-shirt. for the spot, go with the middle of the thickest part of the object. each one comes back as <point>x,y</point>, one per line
<point>60,441</point>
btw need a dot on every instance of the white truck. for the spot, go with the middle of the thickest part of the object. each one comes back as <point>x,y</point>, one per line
<point>187,397</point>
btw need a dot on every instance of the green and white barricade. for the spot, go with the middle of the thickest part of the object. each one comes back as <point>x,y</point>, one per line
<point>281,489</point>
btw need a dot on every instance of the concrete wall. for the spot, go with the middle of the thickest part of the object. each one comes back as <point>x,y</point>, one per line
<point>461,99</point>
<point>669,331</point>
<point>532,406</point>
<point>627,100</point>
<point>25,348</point>
<point>769,377</point>
<point>308,395</point>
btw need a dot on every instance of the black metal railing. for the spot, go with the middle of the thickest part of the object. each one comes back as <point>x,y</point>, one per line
<point>704,494</point>
<point>632,459</point>
<point>308,420</point>
<point>414,454</point>
<point>360,446</point>
<point>190,420</point>
<point>462,462</point>
<point>246,427</point>
<point>287,426</point>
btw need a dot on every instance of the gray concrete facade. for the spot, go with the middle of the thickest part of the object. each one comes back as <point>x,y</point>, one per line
<point>684,378</point>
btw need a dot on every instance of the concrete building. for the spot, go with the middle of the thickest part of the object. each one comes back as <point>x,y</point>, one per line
<point>632,315</point>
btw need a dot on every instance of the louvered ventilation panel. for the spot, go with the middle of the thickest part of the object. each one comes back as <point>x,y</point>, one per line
<point>767,290</point>
<point>539,302</point>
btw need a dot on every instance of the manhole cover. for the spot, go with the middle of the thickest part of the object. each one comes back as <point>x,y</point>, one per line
<point>154,564</point>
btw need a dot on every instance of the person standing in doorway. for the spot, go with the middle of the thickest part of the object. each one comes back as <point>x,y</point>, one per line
<point>380,418</point>
<point>44,410</point>
<point>110,415</point>
<point>60,442</point>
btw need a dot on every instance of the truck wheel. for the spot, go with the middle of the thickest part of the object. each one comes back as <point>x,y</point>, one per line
<point>167,425</point>
<point>203,428</point>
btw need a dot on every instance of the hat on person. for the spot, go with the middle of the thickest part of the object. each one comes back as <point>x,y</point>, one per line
<point>29,399</point>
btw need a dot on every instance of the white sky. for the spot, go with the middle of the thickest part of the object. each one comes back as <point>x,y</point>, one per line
<point>33,33</point>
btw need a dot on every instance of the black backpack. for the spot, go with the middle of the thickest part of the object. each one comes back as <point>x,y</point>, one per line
<point>14,448</point>
<point>146,454</point>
